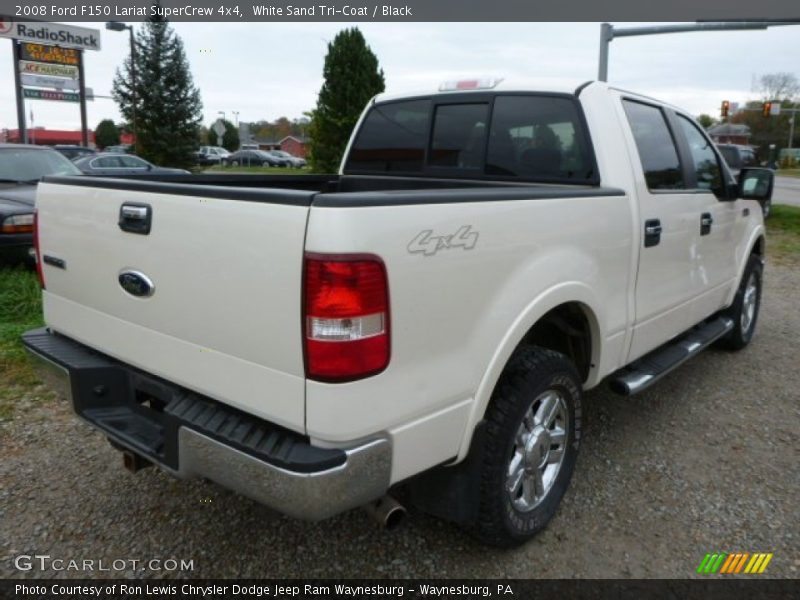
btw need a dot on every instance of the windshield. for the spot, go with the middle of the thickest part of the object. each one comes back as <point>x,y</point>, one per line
<point>30,165</point>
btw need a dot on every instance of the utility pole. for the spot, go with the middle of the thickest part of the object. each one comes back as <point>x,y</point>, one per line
<point>608,33</point>
<point>23,129</point>
<point>82,98</point>
<point>119,26</point>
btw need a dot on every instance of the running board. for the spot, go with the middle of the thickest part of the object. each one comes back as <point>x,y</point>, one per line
<point>644,372</point>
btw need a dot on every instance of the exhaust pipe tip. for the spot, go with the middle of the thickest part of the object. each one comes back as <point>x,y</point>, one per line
<point>387,512</point>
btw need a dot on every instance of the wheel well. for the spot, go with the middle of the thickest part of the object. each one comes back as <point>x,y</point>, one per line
<point>565,329</point>
<point>758,247</point>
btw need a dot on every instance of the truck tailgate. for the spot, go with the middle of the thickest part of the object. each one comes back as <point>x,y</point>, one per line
<point>225,265</point>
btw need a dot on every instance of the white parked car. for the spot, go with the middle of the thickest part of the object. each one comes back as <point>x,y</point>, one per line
<point>211,155</point>
<point>431,316</point>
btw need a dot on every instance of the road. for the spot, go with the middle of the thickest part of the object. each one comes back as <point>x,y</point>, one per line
<point>787,191</point>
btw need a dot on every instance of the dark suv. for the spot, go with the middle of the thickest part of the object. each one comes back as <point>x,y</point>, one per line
<point>739,157</point>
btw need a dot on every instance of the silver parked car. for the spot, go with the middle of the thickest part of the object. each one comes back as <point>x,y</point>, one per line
<point>111,165</point>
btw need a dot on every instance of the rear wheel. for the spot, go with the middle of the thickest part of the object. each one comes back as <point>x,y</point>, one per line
<point>745,307</point>
<point>533,429</point>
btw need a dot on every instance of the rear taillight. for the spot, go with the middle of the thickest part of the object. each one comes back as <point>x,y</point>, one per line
<point>17,224</point>
<point>346,316</point>
<point>36,248</point>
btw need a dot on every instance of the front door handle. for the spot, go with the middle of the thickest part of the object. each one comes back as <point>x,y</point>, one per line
<point>705,223</point>
<point>652,232</point>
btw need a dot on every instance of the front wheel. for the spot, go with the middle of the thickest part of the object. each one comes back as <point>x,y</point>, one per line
<point>533,431</point>
<point>745,307</point>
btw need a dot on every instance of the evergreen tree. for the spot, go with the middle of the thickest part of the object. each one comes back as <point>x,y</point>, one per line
<point>106,134</point>
<point>168,106</point>
<point>352,77</point>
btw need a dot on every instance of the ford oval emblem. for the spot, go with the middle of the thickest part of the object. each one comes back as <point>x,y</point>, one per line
<point>136,284</point>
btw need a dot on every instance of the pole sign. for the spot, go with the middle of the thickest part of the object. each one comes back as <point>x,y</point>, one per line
<point>58,34</point>
<point>219,128</point>
<point>50,54</point>
<point>48,95</point>
<point>46,81</point>
<point>37,68</point>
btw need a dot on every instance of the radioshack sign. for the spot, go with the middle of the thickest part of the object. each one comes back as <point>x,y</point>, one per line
<point>56,34</point>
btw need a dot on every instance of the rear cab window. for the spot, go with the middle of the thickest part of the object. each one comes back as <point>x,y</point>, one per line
<point>513,136</point>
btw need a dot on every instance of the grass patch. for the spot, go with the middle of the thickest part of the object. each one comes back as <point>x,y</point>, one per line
<point>20,310</point>
<point>788,173</point>
<point>783,232</point>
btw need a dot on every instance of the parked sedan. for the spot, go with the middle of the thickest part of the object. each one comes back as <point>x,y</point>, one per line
<point>112,165</point>
<point>291,160</point>
<point>73,152</point>
<point>254,158</point>
<point>21,168</point>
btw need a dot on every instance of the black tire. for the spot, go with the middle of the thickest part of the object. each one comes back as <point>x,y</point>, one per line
<point>743,327</point>
<point>531,373</point>
<point>234,163</point>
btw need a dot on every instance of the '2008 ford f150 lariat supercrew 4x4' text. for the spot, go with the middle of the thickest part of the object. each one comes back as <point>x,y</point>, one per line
<point>431,316</point>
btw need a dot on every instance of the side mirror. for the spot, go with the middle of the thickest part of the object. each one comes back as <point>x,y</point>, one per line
<point>756,184</point>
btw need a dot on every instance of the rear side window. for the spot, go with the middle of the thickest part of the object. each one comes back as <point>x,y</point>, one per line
<point>459,136</point>
<point>538,137</point>
<point>662,170</point>
<point>392,138</point>
<point>107,162</point>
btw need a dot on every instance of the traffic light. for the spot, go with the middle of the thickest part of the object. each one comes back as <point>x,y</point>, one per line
<point>726,106</point>
<point>766,109</point>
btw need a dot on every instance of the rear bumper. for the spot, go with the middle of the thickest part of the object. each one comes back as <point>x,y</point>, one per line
<point>190,435</point>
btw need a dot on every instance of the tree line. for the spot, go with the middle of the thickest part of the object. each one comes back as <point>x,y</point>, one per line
<point>158,100</point>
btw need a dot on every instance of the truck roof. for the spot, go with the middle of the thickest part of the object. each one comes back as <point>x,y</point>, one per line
<point>532,85</point>
<point>528,85</point>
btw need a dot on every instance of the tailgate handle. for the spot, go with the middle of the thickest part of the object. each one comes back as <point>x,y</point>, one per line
<point>135,218</point>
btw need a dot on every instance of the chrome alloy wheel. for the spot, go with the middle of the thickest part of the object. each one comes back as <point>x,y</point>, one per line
<point>749,303</point>
<point>538,451</point>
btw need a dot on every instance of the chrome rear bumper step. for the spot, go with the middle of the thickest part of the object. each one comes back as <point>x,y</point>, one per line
<point>653,366</point>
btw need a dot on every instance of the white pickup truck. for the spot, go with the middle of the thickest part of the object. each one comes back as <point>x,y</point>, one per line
<point>431,316</point>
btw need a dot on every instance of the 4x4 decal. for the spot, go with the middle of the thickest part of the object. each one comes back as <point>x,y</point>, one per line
<point>428,244</point>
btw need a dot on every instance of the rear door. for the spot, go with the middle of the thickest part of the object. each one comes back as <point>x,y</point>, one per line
<point>224,269</point>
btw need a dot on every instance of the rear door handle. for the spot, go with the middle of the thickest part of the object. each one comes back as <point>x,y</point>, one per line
<point>135,218</point>
<point>652,232</point>
<point>705,223</point>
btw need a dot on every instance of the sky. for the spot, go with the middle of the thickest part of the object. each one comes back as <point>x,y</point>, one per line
<point>268,70</point>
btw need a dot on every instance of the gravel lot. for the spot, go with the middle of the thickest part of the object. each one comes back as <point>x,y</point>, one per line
<point>705,461</point>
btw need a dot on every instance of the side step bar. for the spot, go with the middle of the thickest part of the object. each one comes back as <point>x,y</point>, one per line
<point>644,372</point>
